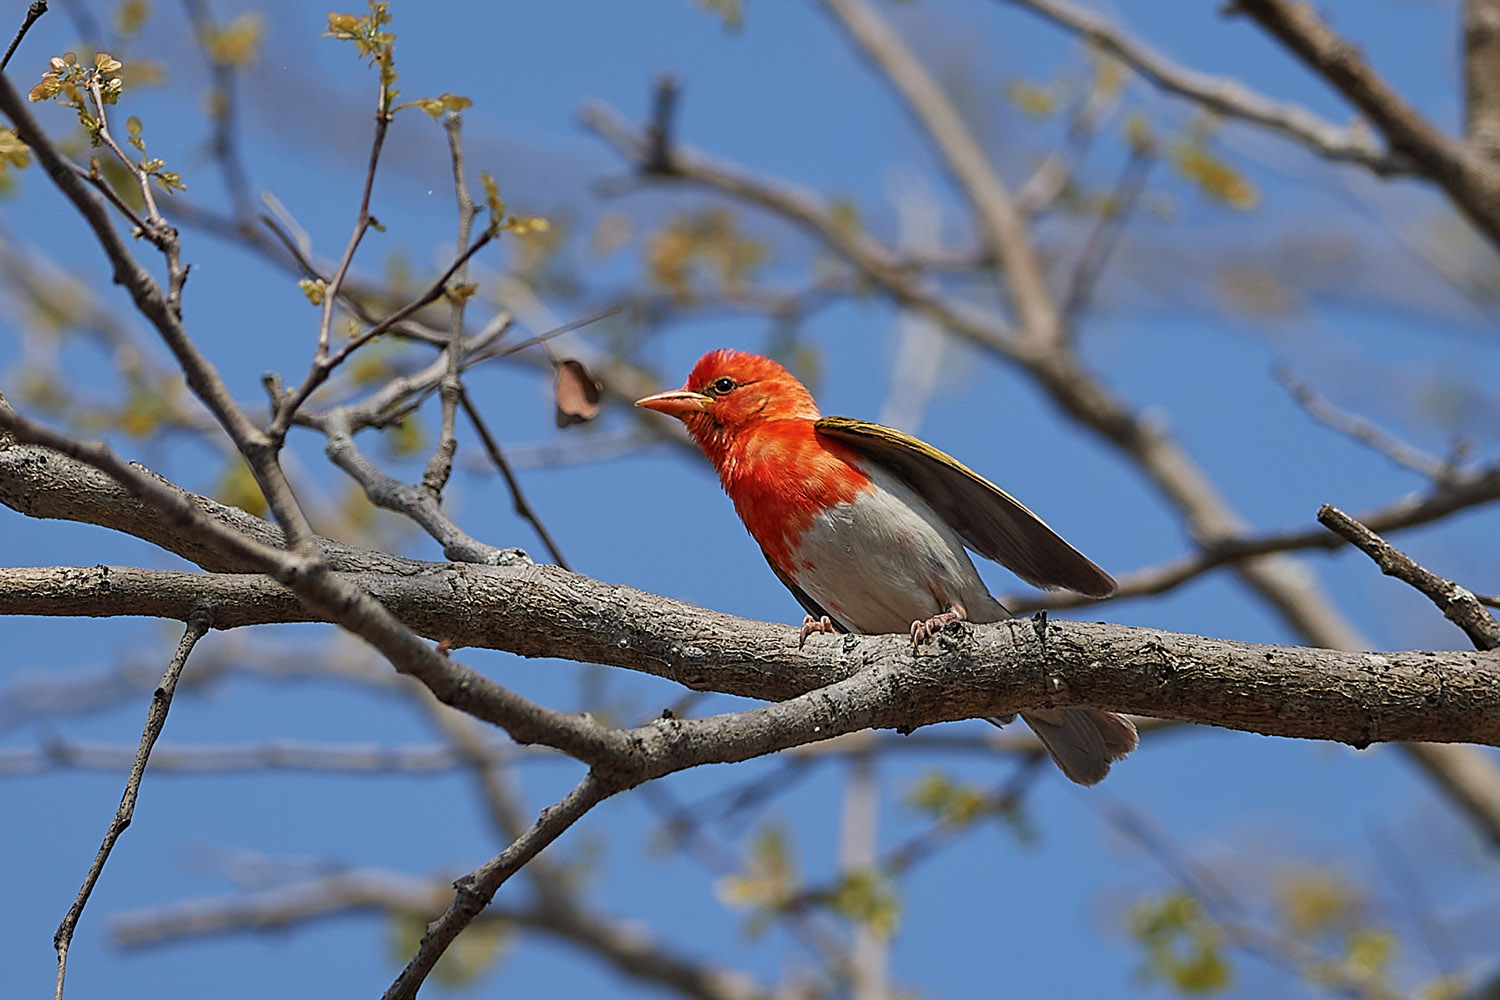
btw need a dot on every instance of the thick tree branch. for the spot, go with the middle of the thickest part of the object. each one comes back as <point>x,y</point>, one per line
<point>1355,698</point>
<point>324,593</point>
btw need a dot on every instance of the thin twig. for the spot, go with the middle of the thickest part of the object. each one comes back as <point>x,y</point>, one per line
<point>1050,179</point>
<point>1362,430</point>
<point>809,212</point>
<point>326,362</point>
<point>518,499</point>
<point>1461,492</point>
<point>473,892</point>
<point>277,755</point>
<point>1456,603</point>
<point>156,718</point>
<point>413,501</point>
<point>659,131</point>
<point>223,109</point>
<point>378,408</point>
<point>440,465</point>
<point>1113,216</point>
<point>33,14</point>
<point>293,239</point>
<point>362,221</point>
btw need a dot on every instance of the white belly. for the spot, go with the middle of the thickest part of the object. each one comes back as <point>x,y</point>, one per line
<point>885,560</point>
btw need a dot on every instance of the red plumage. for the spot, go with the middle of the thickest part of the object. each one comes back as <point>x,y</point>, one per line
<point>868,526</point>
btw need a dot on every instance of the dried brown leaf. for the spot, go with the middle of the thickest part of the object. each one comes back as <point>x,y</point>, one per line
<point>578,393</point>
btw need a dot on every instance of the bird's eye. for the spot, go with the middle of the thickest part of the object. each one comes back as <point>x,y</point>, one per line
<point>722,385</point>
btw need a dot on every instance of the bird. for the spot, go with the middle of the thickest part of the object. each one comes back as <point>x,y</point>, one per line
<point>867,526</point>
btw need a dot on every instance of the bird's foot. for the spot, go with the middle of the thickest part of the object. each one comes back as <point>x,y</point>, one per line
<point>811,625</point>
<point>924,631</point>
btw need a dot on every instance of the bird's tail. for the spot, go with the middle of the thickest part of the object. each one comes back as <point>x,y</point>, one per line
<point>1083,741</point>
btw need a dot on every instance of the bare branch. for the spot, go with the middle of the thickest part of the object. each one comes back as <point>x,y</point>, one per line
<point>808,212</point>
<point>1005,229</point>
<point>33,14</point>
<point>1460,491</point>
<point>1113,216</point>
<point>1361,430</point>
<point>325,593</point>
<point>865,681</point>
<point>327,361</point>
<point>276,755</point>
<point>518,499</point>
<point>440,465</point>
<point>1481,48</point>
<point>156,718</point>
<point>473,892</point>
<point>161,312</point>
<point>1469,181</point>
<point>624,946</point>
<point>1219,94</point>
<point>420,504</point>
<point>362,222</point>
<point>1456,603</point>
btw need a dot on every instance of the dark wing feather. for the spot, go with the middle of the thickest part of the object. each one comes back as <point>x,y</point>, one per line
<point>990,520</point>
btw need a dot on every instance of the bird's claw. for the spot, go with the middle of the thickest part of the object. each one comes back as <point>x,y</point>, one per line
<point>924,631</point>
<point>810,625</point>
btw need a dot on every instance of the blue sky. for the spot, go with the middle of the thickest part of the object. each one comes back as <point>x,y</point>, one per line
<point>786,97</point>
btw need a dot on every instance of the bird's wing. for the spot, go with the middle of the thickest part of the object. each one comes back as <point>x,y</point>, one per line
<point>811,606</point>
<point>990,520</point>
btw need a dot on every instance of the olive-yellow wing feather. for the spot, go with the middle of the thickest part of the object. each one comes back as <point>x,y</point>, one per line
<point>988,519</point>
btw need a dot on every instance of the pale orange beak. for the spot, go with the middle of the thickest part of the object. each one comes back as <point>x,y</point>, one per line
<point>679,403</point>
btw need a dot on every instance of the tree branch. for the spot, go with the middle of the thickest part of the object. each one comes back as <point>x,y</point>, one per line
<point>161,312</point>
<point>1468,180</point>
<point>1458,491</point>
<point>156,718</point>
<point>1005,229</point>
<point>1481,50</point>
<point>1457,604</point>
<point>473,892</point>
<point>1351,697</point>
<point>621,945</point>
<point>1222,95</point>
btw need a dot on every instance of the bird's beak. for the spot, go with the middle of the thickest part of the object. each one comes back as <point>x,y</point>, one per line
<point>679,403</point>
